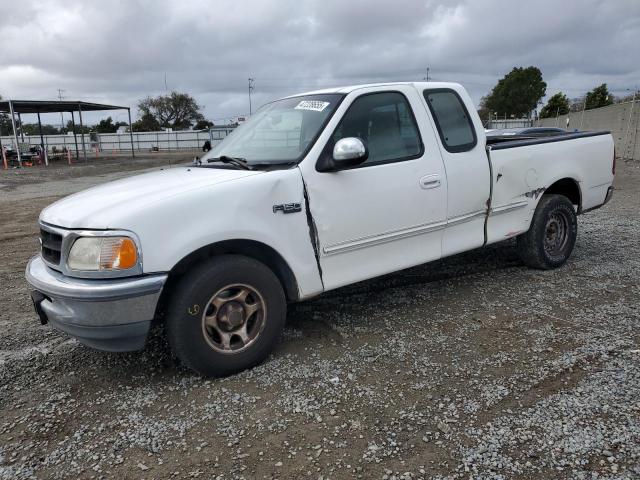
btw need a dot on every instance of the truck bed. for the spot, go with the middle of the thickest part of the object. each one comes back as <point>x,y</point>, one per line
<point>523,169</point>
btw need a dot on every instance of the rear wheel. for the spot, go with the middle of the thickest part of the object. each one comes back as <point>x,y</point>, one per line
<point>226,315</point>
<point>552,236</point>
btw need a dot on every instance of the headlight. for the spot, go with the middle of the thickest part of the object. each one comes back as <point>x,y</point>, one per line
<point>103,253</point>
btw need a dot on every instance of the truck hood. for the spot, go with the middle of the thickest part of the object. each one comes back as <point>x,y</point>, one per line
<point>101,207</point>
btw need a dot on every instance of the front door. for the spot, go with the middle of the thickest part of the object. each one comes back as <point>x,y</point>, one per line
<point>389,212</point>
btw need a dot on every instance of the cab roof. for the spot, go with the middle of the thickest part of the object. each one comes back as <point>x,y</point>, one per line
<point>351,88</point>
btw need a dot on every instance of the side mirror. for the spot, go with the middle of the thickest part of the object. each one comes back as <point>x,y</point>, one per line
<point>347,152</point>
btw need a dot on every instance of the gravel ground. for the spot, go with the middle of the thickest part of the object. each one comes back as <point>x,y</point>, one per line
<point>470,367</point>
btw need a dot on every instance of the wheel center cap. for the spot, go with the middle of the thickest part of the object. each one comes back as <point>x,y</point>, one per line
<point>231,314</point>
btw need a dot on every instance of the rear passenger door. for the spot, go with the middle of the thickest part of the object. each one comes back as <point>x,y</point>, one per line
<point>466,165</point>
<point>387,213</point>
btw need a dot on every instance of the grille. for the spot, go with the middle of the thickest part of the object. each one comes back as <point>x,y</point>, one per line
<point>51,246</point>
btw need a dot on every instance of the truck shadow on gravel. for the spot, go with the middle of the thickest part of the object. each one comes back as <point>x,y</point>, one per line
<point>377,292</point>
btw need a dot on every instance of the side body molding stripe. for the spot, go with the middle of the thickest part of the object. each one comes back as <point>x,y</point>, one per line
<point>364,242</point>
<point>391,236</point>
<point>382,238</point>
<point>509,207</point>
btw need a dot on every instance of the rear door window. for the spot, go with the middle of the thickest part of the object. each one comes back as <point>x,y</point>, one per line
<point>452,120</point>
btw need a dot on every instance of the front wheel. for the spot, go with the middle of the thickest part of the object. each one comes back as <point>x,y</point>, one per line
<point>552,236</point>
<point>226,315</point>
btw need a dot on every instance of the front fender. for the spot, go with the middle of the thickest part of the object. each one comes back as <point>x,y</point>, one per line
<point>241,210</point>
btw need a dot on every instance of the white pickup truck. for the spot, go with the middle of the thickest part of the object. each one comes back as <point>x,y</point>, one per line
<point>313,192</point>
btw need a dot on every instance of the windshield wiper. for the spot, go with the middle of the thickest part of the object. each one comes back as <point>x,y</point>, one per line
<point>237,161</point>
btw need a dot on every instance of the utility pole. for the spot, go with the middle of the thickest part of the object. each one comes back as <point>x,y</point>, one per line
<point>250,90</point>
<point>60,97</point>
<point>427,77</point>
<point>628,131</point>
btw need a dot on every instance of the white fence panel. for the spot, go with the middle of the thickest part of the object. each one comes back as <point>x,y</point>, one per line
<point>510,123</point>
<point>142,141</point>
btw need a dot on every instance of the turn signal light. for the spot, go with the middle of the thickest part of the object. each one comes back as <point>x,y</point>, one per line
<point>118,253</point>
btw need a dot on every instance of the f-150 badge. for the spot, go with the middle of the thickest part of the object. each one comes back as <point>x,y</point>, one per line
<point>287,208</point>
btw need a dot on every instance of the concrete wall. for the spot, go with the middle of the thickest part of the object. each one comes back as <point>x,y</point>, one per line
<point>614,118</point>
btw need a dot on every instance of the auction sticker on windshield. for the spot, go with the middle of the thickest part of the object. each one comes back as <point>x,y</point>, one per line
<point>315,105</point>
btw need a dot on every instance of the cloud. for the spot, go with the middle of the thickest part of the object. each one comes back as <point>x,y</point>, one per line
<point>119,51</point>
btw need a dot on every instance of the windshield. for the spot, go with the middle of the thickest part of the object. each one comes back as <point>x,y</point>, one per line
<point>279,132</point>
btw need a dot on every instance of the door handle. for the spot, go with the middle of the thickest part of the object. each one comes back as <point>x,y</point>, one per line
<point>430,181</point>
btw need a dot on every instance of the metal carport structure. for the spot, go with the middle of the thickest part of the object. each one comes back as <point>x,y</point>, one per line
<point>18,107</point>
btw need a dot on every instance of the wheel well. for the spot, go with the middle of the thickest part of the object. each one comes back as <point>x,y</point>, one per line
<point>569,188</point>
<point>250,248</point>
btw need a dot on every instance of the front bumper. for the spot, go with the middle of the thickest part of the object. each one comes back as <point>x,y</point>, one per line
<point>107,314</point>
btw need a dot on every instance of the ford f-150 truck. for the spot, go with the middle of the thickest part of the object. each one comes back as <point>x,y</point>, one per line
<point>313,192</point>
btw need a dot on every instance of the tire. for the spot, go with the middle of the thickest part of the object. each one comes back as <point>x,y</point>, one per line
<point>226,315</point>
<point>550,240</point>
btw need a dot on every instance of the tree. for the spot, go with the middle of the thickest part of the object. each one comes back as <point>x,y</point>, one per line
<point>517,93</point>
<point>558,104</point>
<point>6,128</point>
<point>5,124</point>
<point>176,110</point>
<point>203,125</point>
<point>106,125</point>
<point>483,111</point>
<point>598,97</point>
<point>32,129</point>
<point>69,128</point>
<point>147,123</point>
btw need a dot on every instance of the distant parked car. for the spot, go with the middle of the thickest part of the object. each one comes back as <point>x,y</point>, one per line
<point>527,132</point>
<point>28,154</point>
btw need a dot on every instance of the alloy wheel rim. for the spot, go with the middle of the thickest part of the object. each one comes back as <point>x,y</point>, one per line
<point>233,318</point>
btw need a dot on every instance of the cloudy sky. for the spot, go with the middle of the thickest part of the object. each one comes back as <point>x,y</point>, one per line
<point>120,51</point>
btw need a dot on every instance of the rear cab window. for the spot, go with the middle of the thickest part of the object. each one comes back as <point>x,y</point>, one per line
<point>452,119</point>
